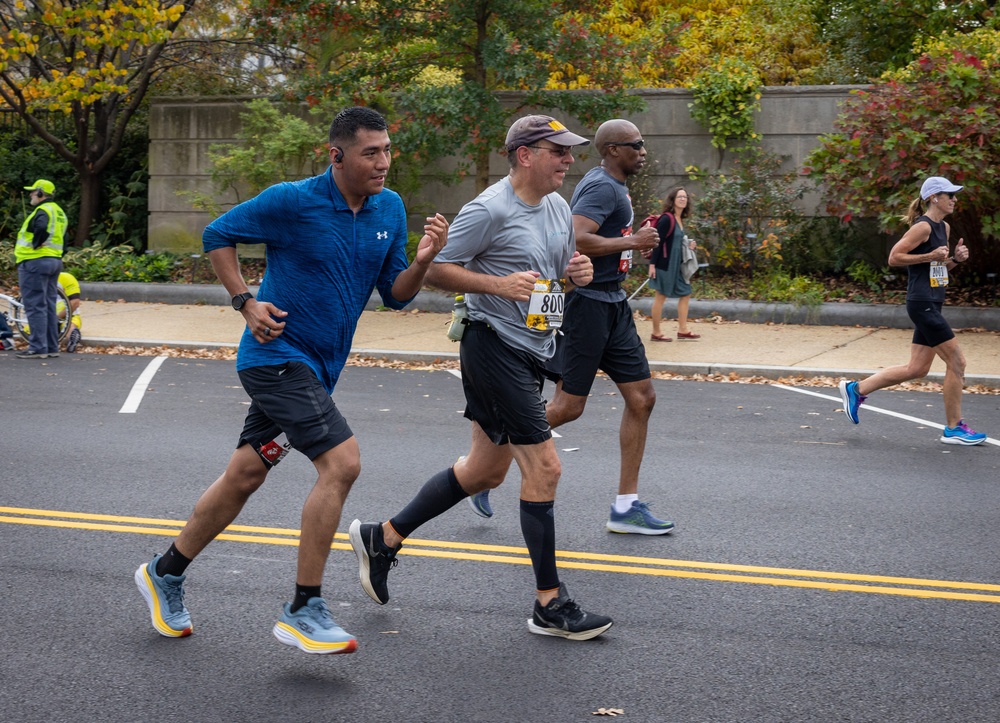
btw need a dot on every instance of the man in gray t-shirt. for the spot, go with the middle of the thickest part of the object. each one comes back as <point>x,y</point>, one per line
<point>500,235</point>
<point>600,332</point>
<point>512,253</point>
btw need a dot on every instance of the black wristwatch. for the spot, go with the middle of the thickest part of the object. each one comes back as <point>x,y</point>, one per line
<point>240,299</point>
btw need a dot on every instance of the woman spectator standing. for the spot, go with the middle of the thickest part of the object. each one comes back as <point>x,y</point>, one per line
<point>665,264</point>
<point>923,250</point>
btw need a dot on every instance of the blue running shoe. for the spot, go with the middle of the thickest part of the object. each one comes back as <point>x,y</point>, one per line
<point>962,435</point>
<point>480,504</point>
<point>311,629</point>
<point>852,400</point>
<point>638,520</point>
<point>165,598</point>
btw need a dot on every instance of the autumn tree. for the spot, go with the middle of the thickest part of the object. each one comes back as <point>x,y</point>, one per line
<point>778,38</point>
<point>646,34</point>
<point>936,116</point>
<point>90,60</point>
<point>439,64</point>
<point>868,38</point>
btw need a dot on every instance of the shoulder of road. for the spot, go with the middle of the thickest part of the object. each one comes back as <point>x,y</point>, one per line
<point>738,338</point>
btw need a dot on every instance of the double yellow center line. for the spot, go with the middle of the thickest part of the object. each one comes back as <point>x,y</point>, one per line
<point>598,562</point>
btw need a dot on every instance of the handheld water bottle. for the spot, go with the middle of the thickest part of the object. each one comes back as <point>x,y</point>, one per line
<point>459,318</point>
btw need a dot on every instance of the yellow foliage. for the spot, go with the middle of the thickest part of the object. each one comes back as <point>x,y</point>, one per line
<point>97,30</point>
<point>673,40</point>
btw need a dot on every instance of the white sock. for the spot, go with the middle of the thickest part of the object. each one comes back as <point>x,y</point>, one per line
<point>623,503</point>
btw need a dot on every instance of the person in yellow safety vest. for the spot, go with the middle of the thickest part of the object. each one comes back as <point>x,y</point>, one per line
<point>71,286</point>
<point>38,254</point>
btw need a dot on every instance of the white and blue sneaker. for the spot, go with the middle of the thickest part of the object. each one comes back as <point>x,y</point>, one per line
<point>961,434</point>
<point>638,520</point>
<point>311,629</point>
<point>852,399</point>
<point>480,504</point>
<point>165,598</point>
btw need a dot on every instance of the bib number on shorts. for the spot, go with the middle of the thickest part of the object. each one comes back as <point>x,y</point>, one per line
<point>545,307</point>
<point>939,274</point>
<point>625,262</point>
<point>274,451</point>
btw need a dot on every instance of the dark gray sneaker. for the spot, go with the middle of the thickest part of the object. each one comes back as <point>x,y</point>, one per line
<point>375,559</point>
<point>563,618</point>
<point>73,342</point>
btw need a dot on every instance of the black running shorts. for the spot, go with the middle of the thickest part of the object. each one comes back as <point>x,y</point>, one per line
<point>598,335</point>
<point>503,388</point>
<point>289,398</point>
<point>930,326</point>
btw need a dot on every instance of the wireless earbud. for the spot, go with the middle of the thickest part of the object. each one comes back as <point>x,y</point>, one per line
<point>339,157</point>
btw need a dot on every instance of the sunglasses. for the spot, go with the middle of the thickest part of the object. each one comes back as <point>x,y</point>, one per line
<point>949,195</point>
<point>634,145</point>
<point>558,150</point>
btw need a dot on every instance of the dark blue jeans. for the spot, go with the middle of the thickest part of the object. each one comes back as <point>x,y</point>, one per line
<point>39,287</point>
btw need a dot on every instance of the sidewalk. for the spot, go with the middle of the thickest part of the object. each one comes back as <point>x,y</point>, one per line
<point>748,349</point>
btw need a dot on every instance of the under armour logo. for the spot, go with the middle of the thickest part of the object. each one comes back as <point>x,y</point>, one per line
<point>382,235</point>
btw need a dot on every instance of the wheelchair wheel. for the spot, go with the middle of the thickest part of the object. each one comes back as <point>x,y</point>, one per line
<point>62,306</point>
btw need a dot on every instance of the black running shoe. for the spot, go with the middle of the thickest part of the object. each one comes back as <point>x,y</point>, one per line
<point>375,559</point>
<point>74,341</point>
<point>563,618</point>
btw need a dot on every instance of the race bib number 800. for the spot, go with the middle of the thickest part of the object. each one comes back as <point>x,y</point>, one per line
<point>545,307</point>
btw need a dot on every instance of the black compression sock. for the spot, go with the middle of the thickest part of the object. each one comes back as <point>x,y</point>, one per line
<point>538,526</point>
<point>439,494</point>
<point>303,593</point>
<point>172,563</point>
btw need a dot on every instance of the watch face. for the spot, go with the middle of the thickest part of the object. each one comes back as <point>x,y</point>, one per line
<point>240,300</point>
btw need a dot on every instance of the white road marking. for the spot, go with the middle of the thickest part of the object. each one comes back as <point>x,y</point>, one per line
<point>139,388</point>
<point>870,408</point>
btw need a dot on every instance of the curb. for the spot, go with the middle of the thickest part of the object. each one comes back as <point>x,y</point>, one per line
<point>892,316</point>
<point>687,369</point>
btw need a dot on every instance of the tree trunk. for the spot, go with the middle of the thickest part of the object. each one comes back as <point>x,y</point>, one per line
<point>90,203</point>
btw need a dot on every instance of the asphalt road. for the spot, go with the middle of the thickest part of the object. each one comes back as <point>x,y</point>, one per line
<point>820,571</point>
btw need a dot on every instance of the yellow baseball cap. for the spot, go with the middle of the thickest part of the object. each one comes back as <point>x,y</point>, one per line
<point>48,186</point>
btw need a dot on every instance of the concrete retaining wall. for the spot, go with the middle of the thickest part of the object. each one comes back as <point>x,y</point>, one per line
<point>182,130</point>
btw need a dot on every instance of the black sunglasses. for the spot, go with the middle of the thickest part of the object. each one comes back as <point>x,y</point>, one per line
<point>634,145</point>
<point>949,194</point>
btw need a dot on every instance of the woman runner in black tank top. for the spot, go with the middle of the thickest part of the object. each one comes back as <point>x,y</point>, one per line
<point>924,251</point>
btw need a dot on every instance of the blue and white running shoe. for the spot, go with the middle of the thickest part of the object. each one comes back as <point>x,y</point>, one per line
<point>961,434</point>
<point>638,520</point>
<point>852,400</point>
<point>480,504</point>
<point>165,598</point>
<point>311,629</point>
